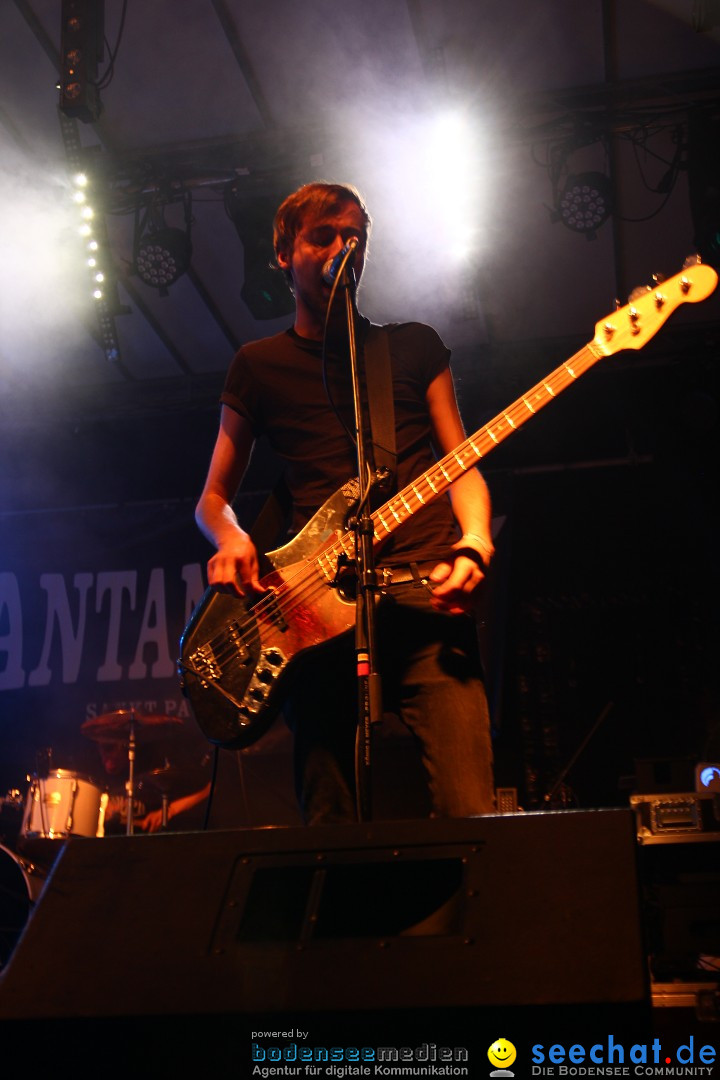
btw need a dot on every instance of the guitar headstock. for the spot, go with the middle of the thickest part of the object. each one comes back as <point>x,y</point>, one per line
<point>632,326</point>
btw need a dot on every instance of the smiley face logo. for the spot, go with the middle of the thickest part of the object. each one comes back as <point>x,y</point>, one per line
<point>502,1054</point>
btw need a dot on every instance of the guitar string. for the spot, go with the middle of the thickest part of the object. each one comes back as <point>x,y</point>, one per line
<point>541,393</point>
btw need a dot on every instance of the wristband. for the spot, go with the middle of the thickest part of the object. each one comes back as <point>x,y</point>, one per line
<point>487,549</point>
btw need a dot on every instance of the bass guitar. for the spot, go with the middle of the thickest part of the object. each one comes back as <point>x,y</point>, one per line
<point>236,656</point>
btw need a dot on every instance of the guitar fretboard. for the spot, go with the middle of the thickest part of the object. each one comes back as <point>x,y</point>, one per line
<point>468,454</point>
<point>436,481</point>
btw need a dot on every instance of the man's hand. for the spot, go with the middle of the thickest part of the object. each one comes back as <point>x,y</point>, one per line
<point>455,584</point>
<point>152,822</point>
<point>234,566</point>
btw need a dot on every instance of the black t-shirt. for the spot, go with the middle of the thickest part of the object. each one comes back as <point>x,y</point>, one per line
<point>277,385</point>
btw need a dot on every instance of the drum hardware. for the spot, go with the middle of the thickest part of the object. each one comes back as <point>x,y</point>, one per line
<point>11,815</point>
<point>168,779</point>
<point>21,883</point>
<point>130,785</point>
<point>165,780</point>
<point>34,798</point>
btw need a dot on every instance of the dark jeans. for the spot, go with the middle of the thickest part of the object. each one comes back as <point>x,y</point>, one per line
<point>431,678</point>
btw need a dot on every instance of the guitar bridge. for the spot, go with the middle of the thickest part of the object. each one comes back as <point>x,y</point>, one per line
<point>204,662</point>
<point>204,665</point>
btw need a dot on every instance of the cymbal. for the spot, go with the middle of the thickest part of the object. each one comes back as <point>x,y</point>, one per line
<point>169,779</point>
<point>120,723</point>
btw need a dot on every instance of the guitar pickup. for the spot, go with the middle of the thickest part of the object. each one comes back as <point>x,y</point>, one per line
<point>272,611</point>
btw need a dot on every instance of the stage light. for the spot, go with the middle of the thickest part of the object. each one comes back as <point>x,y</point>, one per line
<point>81,50</point>
<point>451,190</point>
<point>438,159</point>
<point>82,191</point>
<point>161,253</point>
<point>162,257</point>
<point>707,777</point>
<point>108,334</point>
<point>264,289</point>
<point>430,179</point>
<point>86,194</point>
<point>585,203</point>
<point>103,289</point>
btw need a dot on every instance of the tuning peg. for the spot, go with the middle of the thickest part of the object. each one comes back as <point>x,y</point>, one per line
<point>691,260</point>
<point>641,290</point>
<point>658,279</point>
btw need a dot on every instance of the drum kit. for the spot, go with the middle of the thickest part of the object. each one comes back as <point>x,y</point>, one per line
<point>62,803</point>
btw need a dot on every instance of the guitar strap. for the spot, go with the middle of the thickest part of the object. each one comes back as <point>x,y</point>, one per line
<point>381,406</point>
<point>271,522</point>
<point>275,512</point>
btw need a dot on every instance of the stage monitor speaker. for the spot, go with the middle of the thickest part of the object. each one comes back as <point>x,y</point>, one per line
<point>518,909</point>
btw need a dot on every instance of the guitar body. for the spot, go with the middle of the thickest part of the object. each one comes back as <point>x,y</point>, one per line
<point>238,654</point>
<point>237,657</point>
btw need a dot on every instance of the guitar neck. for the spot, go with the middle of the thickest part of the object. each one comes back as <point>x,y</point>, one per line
<point>436,481</point>
<point>630,327</point>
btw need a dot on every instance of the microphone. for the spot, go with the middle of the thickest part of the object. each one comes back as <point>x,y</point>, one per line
<point>332,266</point>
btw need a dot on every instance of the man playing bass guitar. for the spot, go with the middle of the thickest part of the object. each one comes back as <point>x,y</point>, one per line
<point>429,571</point>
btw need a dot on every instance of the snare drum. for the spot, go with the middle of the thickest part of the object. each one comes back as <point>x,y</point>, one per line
<point>64,804</point>
<point>20,885</point>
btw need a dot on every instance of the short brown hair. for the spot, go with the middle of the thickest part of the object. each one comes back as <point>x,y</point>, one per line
<point>316,198</point>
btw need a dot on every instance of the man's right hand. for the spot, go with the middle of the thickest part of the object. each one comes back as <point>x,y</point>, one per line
<point>234,566</point>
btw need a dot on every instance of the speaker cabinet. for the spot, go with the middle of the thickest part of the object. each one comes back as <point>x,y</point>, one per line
<point>519,909</point>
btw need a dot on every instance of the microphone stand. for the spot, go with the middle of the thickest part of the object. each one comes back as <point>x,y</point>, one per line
<point>369,691</point>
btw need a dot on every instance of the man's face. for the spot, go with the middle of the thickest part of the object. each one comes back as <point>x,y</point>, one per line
<point>320,238</point>
<point>113,755</point>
